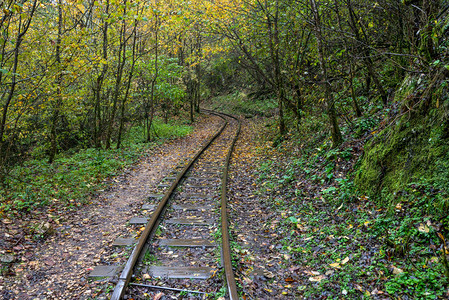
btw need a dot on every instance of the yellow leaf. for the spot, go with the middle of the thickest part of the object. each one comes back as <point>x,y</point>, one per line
<point>423,228</point>
<point>441,237</point>
<point>317,278</point>
<point>335,265</point>
<point>397,271</point>
<point>344,261</point>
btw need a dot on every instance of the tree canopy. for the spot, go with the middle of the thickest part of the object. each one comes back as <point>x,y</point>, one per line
<point>75,74</point>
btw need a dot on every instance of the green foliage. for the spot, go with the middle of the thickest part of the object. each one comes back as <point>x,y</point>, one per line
<point>239,103</point>
<point>164,131</point>
<point>70,180</point>
<point>365,125</point>
<point>169,86</point>
<point>407,232</point>
<point>396,251</point>
<point>74,177</point>
<point>425,284</point>
<point>149,258</point>
<point>167,131</point>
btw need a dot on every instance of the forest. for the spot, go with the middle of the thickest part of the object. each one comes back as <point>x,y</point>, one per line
<point>86,86</point>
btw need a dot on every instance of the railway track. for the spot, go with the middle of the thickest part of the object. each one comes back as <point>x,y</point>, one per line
<point>184,251</point>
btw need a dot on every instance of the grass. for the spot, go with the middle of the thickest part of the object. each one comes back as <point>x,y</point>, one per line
<point>74,178</point>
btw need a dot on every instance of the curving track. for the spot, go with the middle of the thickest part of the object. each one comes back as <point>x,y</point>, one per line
<point>184,249</point>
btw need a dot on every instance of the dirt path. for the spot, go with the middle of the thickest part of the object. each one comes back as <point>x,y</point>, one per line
<point>58,267</point>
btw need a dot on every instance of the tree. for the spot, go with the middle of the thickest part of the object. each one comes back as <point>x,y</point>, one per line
<point>330,102</point>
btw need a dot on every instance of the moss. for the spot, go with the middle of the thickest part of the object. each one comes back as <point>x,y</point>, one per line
<point>416,149</point>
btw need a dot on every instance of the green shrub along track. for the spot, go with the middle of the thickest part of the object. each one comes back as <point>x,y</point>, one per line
<point>177,251</point>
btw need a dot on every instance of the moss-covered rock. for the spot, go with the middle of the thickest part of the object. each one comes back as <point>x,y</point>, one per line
<point>413,149</point>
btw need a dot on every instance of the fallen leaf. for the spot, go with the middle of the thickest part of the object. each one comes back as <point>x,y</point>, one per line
<point>146,276</point>
<point>335,265</point>
<point>376,292</point>
<point>247,280</point>
<point>423,228</point>
<point>344,261</point>
<point>397,271</point>
<point>158,296</point>
<point>268,274</point>
<point>49,262</point>
<point>317,278</point>
<point>33,264</point>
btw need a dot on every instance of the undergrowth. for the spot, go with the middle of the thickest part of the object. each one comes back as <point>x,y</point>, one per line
<point>74,177</point>
<point>239,103</point>
<point>347,243</point>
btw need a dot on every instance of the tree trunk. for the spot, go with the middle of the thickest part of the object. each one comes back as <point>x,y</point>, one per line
<point>99,83</point>
<point>153,81</point>
<point>128,86</point>
<point>299,105</point>
<point>22,30</point>
<point>335,129</point>
<point>355,104</point>
<point>364,42</point>
<point>58,103</point>
<point>120,66</point>
<point>273,32</point>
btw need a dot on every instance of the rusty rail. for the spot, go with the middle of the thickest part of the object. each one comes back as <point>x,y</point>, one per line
<point>152,225</point>
<point>226,248</point>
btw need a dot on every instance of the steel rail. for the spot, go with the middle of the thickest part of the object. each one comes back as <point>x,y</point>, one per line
<point>152,224</point>
<point>226,248</point>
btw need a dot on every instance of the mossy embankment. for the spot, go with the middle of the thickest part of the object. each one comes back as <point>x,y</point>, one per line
<point>411,149</point>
